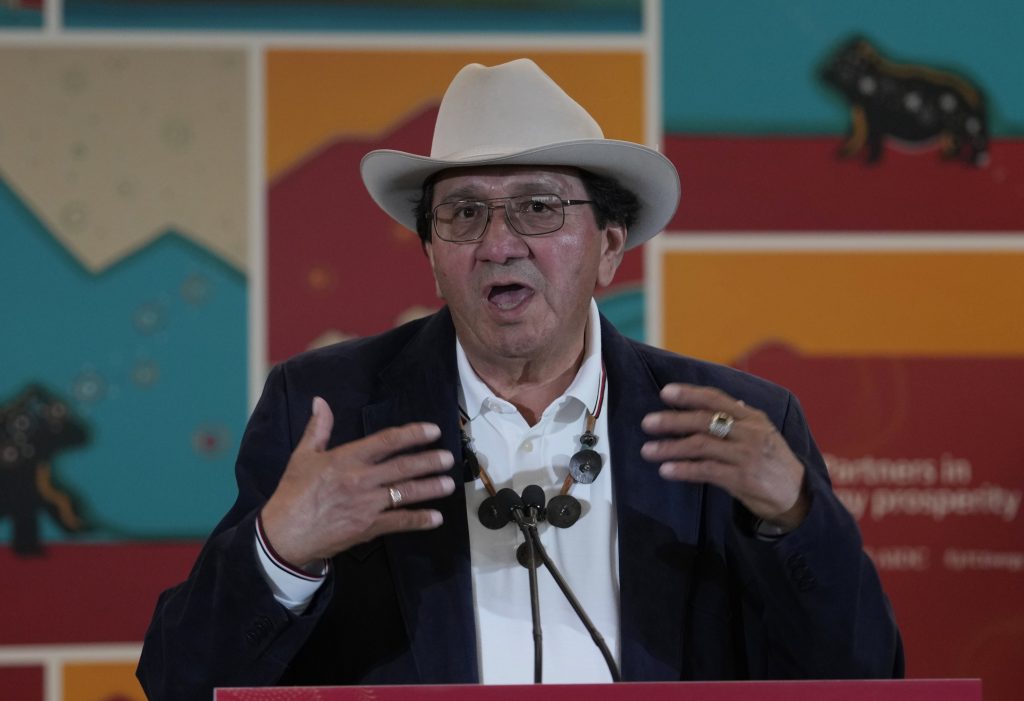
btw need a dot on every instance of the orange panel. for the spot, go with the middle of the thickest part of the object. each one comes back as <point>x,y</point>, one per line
<point>720,304</point>
<point>314,97</point>
<point>101,681</point>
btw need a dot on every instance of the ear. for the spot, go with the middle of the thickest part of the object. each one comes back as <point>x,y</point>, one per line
<point>428,250</point>
<point>613,247</point>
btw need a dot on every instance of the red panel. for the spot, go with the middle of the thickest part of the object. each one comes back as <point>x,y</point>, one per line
<point>938,493</point>
<point>918,690</point>
<point>21,683</point>
<point>778,183</point>
<point>87,593</point>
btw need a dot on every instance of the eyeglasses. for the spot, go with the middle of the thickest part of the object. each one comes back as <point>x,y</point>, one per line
<point>528,215</point>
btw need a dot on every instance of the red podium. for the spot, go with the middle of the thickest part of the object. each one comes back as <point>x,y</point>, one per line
<point>887,690</point>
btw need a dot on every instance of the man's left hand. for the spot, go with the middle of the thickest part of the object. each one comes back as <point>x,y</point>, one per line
<point>751,461</point>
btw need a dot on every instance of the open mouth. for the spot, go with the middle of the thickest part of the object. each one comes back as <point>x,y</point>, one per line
<point>508,296</point>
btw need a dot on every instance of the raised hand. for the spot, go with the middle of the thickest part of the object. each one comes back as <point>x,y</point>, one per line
<point>329,500</point>
<point>708,436</point>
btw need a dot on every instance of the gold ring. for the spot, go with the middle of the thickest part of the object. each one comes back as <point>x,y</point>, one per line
<point>721,424</point>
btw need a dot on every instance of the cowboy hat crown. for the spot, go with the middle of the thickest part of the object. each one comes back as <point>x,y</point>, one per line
<point>515,114</point>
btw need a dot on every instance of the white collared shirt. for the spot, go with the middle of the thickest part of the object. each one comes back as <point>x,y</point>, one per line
<point>515,455</point>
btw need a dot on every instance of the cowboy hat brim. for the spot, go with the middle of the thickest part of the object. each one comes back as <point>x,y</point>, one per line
<point>395,179</point>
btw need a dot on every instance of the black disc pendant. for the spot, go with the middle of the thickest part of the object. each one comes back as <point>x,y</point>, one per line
<point>492,515</point>
<point>585,466</point>
<point>523,556</point>
<point>563,511</point>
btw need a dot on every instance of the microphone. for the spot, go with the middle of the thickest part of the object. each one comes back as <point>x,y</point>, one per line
<point>513,504</point>
<point>530,499</point>
<point>533,498</point>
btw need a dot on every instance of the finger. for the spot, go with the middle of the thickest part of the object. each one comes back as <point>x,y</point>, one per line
<point>695,447</point>
<point>410,466</point>
<point>385,443</point>
<point>679,423</point>
<point>318,429</point>
<point>398,520</point>
<point>685,396</point>
<point>709,471</point>
<point>415,491</point>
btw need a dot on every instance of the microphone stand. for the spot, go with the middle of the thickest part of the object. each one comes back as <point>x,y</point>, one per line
<point>595,634</point>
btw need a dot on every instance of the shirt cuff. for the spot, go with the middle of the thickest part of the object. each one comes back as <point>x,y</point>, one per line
<point>293,588</point>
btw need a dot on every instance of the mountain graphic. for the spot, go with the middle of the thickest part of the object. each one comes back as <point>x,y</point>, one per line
<point>150,354</point>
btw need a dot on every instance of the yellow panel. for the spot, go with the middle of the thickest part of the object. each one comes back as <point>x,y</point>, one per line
<point>719,305</point>
<point>316,96</point>
<point>100,681</point>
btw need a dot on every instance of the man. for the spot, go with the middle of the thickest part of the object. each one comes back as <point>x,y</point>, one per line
<point>360,551</point>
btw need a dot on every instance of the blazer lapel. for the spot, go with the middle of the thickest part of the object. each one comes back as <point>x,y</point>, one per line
<point>658,523</point>
<point>431,568</point>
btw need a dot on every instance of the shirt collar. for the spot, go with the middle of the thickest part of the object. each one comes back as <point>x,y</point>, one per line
<point>475,395</point>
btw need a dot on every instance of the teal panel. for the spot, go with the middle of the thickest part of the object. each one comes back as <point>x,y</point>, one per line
<point>625,309</point>
<point>150,355</point>
<point>20,17</point>
<point>438,16</point>
<point>749,66</point>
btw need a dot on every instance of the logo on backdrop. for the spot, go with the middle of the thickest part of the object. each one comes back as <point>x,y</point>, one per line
<point>910,104</point>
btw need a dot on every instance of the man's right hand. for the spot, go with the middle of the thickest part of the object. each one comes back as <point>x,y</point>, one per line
<point>329,500</point>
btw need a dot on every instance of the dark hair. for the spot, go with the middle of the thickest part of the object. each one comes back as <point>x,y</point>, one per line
<point>612,202</point>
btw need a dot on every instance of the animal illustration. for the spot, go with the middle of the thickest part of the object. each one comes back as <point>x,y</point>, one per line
<point>910,103</point>
<point>34,428</point>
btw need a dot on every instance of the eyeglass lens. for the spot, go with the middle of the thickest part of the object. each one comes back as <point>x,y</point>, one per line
<point>529,215</point>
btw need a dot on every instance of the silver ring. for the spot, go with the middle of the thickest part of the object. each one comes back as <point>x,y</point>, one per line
<point>721,424</point>
<point>395,495</point>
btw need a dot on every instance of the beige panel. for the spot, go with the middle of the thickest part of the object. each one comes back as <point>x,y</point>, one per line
<point>112,148</point>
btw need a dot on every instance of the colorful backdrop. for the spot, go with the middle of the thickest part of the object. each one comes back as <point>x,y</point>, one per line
<point>180,207</point>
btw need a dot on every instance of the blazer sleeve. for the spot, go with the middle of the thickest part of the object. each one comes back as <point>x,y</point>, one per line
<point>222,626</point>
<point>813,604</point>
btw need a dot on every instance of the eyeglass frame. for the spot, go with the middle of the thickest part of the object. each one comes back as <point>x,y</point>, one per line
<point>504,203</point>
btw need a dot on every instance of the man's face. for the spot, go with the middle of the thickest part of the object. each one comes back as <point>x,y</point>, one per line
<point>523,297</point>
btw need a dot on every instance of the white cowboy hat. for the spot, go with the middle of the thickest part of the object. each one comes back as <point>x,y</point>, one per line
<point>515,114</point>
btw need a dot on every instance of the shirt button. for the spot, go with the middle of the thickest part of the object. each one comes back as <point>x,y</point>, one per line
<point>527,446</point>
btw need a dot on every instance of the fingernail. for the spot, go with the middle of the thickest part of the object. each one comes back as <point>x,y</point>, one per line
<point>435,519</point>
<point>431,431</point>
<point>317,403</point>
<point>447,484</point>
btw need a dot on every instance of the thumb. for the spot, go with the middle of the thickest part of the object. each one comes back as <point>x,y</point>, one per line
<point>318,430</point>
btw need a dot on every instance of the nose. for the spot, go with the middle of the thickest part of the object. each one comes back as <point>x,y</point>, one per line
<point>500,242</point>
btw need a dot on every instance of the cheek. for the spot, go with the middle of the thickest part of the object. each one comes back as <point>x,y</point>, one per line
<point>450,276</point>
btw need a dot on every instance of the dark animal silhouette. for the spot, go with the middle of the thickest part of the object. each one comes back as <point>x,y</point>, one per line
<point>35,427</point>
<point>910,103</point>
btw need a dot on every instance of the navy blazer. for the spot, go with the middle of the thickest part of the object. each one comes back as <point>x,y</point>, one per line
<point>700,596</point>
